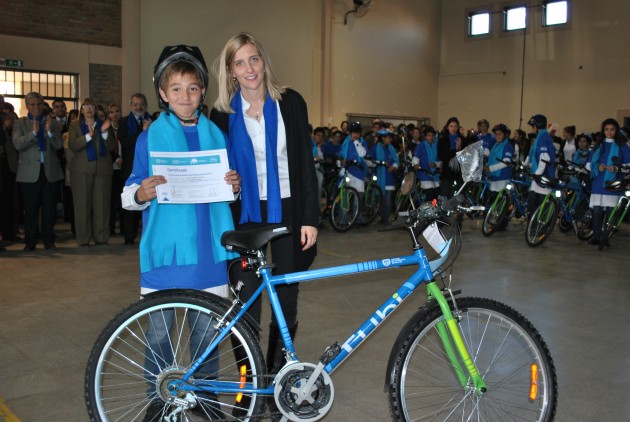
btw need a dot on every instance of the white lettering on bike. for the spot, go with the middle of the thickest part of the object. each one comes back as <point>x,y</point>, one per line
<point>356,338</point>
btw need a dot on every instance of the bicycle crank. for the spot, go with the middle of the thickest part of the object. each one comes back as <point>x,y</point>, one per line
<point>304,392</point>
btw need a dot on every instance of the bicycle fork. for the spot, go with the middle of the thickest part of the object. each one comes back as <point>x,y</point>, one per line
<point>454,345</point>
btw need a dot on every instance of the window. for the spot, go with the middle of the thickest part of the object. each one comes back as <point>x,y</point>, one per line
<point>478,23</point>
<point>15,84</point>
<point>515,18</point>
<point>555,13</point>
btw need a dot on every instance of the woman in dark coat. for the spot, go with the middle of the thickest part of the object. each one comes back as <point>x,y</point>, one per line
<point>269,145</point>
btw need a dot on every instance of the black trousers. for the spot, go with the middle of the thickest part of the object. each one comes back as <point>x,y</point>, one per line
<point>130,223</point>
<point>8,206</point>
<point>283,257</point>
<point>41,194</point>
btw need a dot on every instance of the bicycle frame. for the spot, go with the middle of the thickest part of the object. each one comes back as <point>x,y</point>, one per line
<point>450,334</point>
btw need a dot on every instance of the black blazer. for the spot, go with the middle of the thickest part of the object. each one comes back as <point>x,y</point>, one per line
<point>302,178</point>
<point>128,147</point>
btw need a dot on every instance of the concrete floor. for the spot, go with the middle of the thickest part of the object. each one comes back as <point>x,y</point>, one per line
<point>54,304</point>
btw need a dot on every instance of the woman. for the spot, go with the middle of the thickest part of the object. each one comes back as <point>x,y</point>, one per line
<point>451,140</point>
<point>269,145</point>
<point>568,146</point>
<point>520,143</point>
<point>91,141</point>
<point>611,152</point>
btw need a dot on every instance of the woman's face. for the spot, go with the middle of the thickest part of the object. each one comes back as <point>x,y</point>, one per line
<point>248,67</point>
<point>88,111</point>
<point>114,114</point>
<point>610,131</point>
<point>452,128</point>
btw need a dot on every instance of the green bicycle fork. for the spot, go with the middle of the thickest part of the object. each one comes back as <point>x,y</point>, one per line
<point>449,333</point>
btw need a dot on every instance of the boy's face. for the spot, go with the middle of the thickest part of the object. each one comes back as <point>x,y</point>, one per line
<point>430,136</point>
<point>183,94</point>
<point>355,135</point>
<point>583,143</point>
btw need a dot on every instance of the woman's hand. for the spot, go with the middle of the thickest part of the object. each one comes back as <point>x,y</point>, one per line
<point>308,236</point>
<point>147,191</point>
<point>106,124</point>
<point>234,179</point>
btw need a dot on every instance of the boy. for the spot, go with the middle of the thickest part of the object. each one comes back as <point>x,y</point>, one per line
<point>180,245</point>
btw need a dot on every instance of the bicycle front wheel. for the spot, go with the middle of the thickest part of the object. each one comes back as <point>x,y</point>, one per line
<point>541,223</point>
<point>372,202</point>
<point>509,353</point>
<point>345,209</point>
<point>153,343</point>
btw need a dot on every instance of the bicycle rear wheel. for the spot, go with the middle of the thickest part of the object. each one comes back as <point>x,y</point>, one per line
<point>541,223</point>
<point>495,216</point>
<point>345,209</point>
<point>509,353</point>
<point>128,372</point>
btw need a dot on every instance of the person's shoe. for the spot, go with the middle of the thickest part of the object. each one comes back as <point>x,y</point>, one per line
<point>155,411</point>
<point>593,241</point>
<point>29,248</point>
<point>12,238</point>
<point>48,246</point>
<point>102,244</point>
<point>129,242</point>
<point>605,243</point>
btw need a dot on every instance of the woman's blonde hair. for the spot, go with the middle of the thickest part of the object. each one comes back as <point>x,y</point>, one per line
<point>228,85</point>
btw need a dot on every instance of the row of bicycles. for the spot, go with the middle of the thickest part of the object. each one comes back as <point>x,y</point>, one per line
<point>565,206</point>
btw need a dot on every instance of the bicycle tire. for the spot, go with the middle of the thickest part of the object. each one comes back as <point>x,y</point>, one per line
<point>117,385</point>
<point>345,209</point>
<point>371,202</point>
<point>563,225</point>
<point>495,216</point>
<point>583,220</point>
<point>612,223</point>
<point>541,223</point>
<point>504,346</point>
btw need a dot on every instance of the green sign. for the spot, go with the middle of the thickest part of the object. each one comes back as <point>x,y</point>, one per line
<point>11,63</point>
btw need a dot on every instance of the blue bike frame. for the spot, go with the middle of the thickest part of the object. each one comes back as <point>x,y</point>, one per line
<point>269,283</point>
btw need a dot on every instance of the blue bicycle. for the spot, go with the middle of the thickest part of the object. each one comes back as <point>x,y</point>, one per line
<point>456,359</point>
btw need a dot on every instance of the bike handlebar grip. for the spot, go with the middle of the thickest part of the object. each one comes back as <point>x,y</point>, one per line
<point>453,202</point>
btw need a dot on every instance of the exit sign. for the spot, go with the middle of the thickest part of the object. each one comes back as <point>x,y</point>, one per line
<point>11,63</point>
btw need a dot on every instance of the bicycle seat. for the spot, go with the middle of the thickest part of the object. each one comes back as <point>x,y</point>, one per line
<point>248,241</point>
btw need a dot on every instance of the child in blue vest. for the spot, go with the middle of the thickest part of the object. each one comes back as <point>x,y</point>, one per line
<point>385,152</point>
<point>425,161</point>
<point>541,152</point>
<point>499,173</point>
<point>604,169</point>
<point>181,243</point>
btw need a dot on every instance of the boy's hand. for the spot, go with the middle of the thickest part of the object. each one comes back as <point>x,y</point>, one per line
<point>234,179</point>
<point>147,192</point>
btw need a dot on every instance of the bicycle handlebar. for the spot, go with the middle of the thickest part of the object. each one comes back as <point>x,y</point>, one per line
<point>433,211</point>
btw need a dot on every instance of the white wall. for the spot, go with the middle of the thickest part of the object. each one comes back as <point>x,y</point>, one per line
<point>574,75</point>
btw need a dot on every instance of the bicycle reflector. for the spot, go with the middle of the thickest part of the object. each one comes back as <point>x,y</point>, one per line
<point>241,384</point>
<point>533,382</point>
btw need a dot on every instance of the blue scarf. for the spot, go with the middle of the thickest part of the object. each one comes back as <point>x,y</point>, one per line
<point>614,152</point>
<point>381,171</point>
<point>431,158</point>
<point>41,137</point>
<point>453,139</point>
<point>172,228</point>
<point>132,123</point>
<point>241,151</point>
<point>496,154</point>
<point>89,148</point>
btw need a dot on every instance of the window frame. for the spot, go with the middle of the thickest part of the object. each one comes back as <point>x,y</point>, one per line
<point>544,14</point>
<point>470,20</point>
<point>506,9</point>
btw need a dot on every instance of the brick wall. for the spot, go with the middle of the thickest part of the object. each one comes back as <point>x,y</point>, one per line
<point>105,84</point>
<point>90,22</point>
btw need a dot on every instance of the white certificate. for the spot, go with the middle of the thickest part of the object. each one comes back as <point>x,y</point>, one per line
<point>192,177</point>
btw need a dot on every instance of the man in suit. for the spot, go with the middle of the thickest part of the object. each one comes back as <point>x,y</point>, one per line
<point>37,138</point>
<point>129,128</point>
